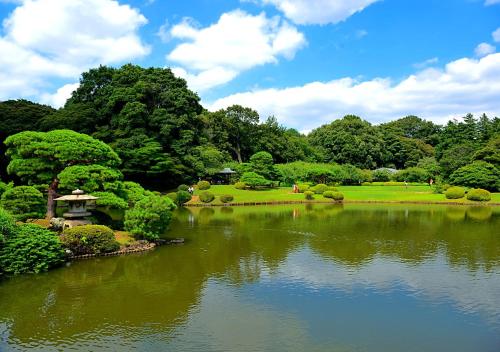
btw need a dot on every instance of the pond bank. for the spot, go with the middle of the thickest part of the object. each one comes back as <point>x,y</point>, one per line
<point>240,204</point>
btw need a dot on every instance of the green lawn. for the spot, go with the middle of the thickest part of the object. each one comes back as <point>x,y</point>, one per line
<point>351,193</point>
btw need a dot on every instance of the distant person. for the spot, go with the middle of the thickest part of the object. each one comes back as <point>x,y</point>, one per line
<point>295,188</point>
<point>191,190</point>
<point>431,181</point>
<point>406,184</point>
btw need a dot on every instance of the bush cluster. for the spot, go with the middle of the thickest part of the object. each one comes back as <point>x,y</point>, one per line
<point>303,187</point>
<point>333,195</point>
<point>254,180</point>
<point>479,195</point>
<point>24,202</point>
<point>182,197</point>
<point>319,188</point>
<point>226,198</point>
<point>183,187</point>
<point>203,185</point>
<point>309,195</point>
<point>207,197</point>
<point>454,193</point>
<point>90,239</point>
<point>240,185</point>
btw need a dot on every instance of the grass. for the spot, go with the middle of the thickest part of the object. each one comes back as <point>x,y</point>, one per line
<point>418,194</point>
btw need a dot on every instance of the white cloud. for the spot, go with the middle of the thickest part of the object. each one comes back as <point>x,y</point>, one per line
<point>491,2</point>
<point>59,39</point>
<point>496,35</point>
<point>319,11</point>
<point>465,85</point>
<point>237,42</point>
<point>426,63</point>
<point>484,49</point>
<point>58,99</point>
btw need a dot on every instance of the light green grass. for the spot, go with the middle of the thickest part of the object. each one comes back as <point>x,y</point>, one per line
<point>421,194</point>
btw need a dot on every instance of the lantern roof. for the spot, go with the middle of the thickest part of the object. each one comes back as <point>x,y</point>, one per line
<point>76,195</point>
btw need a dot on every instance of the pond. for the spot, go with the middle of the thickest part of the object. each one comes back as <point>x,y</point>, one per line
<point>277,278</point>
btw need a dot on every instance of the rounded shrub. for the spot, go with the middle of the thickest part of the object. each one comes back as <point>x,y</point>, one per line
<point>226,198</point>
<point>173,196</point>
<point>479,195</point>
<point>309,195</point>
<point>319,188</point>
<point>183,187</point>
<point>303,187</point>
<point>24,202</point>
<point>31,249</point>
<point>203,185</point>
<point>182,197</point>
<point>240,185</point>
<point>207,197</point>
<point>89,239</point>
<point>454,193</point>
<point>334,189</point>
<point>337,196</point>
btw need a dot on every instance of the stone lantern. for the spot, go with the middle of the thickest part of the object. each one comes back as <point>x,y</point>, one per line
<point>78,202</point>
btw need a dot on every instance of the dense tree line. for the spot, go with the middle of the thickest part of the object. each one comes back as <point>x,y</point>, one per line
<point>163,136</point>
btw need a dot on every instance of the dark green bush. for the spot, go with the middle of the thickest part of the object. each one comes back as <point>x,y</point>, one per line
<point>90,239</point>
<point>24,202</point>
<point>183,187</point>
<point>110,200</point>
<point>309,195</point>
<point>412,174</point>
<point>150,217</point>
<point>381,175</point>
<point>226,198</point>
<point>206,197</point>
<point>31,249</point>
<point>7,225</point>
<point>479,174</point>
<point>203,185</point>
<point>240,185</point>
<point>479,195</point>
<point>182,197</point>
<point>303,187</point>
<point>454,193</point>
<point>319,188</point>
<point>253,180</point>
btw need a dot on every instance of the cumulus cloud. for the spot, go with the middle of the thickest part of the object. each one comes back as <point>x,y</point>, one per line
<point>319,11</point>
<point>465,85</point>
<point>60,39</point>
<point>215,55</point>
<point>484,49</point>
<point>58,99</point>
<point>496,35</point>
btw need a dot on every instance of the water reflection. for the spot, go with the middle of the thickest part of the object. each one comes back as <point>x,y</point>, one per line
<point>444,256</point>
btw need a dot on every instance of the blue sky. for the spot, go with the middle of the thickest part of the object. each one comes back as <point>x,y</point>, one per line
<point>304,61</point>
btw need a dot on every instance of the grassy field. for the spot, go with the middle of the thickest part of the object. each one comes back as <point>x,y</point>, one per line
<point>421,194</point>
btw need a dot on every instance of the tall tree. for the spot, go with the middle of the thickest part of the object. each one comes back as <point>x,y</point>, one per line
<point>38,157</point>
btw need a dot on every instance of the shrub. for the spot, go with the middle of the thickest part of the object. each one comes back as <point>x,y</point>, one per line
<point>173,196</point>
<point>133,192</point>
<point>110,200</point>
<point>334,189</point>
<point>303,187</point>
<point>351,175</point>
<point>412,174</point>
<point>479,195</point>
<point>253,180</point>
<point>207,197</point>
<point>240,185</point>
<point>381,175</point>
<point>203,185</point>
<point>183,187</point>
<point>454,193</point>
<point>262,163</point>
<point>31,249</point>
<point>24,202</point>
<point>333,195</point>
<point>90,239</point>
<point>328,194</point>
<point>182,197</point>
<point>319,188</point>
<point>479,174</point>
<point>150,217</point>
<point>226,198</point>
<point>309,195</point>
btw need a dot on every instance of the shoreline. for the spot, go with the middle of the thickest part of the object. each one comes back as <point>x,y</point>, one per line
<point>243,204</point>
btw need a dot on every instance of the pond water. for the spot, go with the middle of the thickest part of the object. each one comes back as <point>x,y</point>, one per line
<point>277,278</point>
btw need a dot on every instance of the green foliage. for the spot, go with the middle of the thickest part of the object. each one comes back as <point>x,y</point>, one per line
<point>226,198</point>
<point>309,195</point>
<point>479,195</point>
<point>133,192</point>
<point>454,193</point>
<point>351,175</point>
<point>173,196</point>
<point>90,239</point>
<point>31,249</point>
<point>262,163</point>
<point>207,197</point>
<point>319,188</point>
<point>182,197</point>
<point>412,174</point>
<point>110,200</point>
<point>456,157</point>
<point>150,217</point>
<point>303,187</point>
<point>240,185</point>
<point>253,180</point>
<point>430,165</point>
<point>203,185</point>
<point>183,187</point>
<point>24,202</point>
<point>479,174</point>
<point>490,152</point>
<point>381,175</point>
<point>7,226</point>
<point>337,196</point>
<point>89,178</point>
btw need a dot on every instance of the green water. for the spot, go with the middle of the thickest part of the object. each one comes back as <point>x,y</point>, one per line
<point>295,278</point>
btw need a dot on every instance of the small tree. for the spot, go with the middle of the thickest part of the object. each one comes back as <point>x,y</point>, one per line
<point>253,180</point>
<point>24,202</point>
<point>479,174</point>
<point>262,163</point>
<point>39,157</point>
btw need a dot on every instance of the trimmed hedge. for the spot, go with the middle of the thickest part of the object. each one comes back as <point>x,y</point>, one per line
<point>207,197</point>
<point>240,185</point>
<point>333,195</point>
<point>454,193</point>
<point>479,195</point>
<point>182,197</point>
<point>309,195</point>
<point>226,198</point>
<point>90,239</point>
<point>319,188</point>
<point>303,187</point>
<point>183,187</point>
<point>203,185</point>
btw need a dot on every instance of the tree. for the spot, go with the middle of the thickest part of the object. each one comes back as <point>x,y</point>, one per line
<point>479,174</point>
<point>490,152</point>
<point>39,157</point>
<point>254,180</point>
<point>24,202</point>
<point>415,128</point>
<point>263,164</point>
<point>455,157</point>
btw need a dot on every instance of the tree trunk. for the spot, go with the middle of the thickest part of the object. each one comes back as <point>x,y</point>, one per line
<point>237,150</point>
<point>51,203</point>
